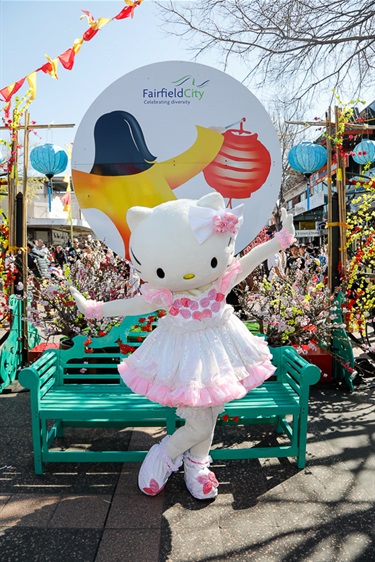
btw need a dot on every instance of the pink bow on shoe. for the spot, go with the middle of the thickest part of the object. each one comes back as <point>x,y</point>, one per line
<point>208,480</point>
<point>153,489</point>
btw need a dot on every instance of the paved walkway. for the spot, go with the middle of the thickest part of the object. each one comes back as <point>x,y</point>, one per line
<point>267,510</point>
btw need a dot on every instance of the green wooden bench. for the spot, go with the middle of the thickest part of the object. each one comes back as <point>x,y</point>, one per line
<point>75,388</point>
<point>11,359</point>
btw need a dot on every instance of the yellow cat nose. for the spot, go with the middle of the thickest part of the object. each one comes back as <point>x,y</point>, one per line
<point>189,276</point>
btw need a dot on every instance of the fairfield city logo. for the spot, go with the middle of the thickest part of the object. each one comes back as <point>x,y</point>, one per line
<point>183,91</point>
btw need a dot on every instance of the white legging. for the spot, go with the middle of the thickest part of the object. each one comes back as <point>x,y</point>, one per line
<point>196,434</point>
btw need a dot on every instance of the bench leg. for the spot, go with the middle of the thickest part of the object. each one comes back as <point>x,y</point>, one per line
<point>279,425</point>
<point>302,437</point>
<point>301,461</point>
<point>37,444</point>
<point>59,428</point>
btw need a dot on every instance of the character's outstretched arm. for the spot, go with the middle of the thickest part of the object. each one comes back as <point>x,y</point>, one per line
<point>257,255</point>
<point>122,307</point>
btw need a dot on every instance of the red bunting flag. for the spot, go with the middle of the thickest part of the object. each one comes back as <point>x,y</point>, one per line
<point>89,34</point>
<point>125,13</point>
<point>90,17</point>
<point>46,68</point>
<point>7,111</point>
<point>67,59</point>
<point>9,91</point>
<point>66,200</point>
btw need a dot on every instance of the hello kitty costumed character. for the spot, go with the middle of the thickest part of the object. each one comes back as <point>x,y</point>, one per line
<point>200,356</point>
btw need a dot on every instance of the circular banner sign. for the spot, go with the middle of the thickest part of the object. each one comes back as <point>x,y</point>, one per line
<point>174,130</point>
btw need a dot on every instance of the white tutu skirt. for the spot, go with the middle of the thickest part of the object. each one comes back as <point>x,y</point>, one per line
<point>198,363</point>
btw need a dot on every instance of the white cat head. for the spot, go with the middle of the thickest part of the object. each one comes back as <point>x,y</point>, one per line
<point>184,244</point>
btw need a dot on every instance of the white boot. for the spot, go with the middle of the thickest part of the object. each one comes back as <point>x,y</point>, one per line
<point>200,481</point>
<point>157,468</point>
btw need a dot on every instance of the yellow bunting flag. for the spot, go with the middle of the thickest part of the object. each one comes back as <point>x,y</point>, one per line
<point>77,45</point>
<point>66,58</point>
<point>52,71</point>
<point>67,198</point>
<point>31,79</point>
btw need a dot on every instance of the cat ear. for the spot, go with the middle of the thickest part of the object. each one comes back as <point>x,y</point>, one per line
<point>212,200</point>
<point>136,215</point>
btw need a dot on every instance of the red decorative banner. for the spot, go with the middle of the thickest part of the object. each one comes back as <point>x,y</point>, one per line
<point>67,58</point>
<point>9,91</point>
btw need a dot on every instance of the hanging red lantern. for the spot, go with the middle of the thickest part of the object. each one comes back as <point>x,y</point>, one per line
<point>241,166</point>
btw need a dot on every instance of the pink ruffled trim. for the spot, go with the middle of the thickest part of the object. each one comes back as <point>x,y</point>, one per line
<point>161,297</point>
<point>94,310</point>
<point>284,238</point>
<point>193,396</point>
<point>229,276</point>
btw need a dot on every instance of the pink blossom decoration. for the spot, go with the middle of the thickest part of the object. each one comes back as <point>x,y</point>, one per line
<point>227,223</point>
<point>212,294</point>
<point>185,313</point>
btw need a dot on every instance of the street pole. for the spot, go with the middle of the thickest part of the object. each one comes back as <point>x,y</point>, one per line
<point>12,191</point>
<point>25,335</point>
<point>341,193</point>
<point>329,202</point>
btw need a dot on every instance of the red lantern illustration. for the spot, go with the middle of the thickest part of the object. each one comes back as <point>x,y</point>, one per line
<point>241,166</point>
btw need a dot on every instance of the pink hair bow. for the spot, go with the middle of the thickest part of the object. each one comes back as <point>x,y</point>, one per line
<point>205,220</point>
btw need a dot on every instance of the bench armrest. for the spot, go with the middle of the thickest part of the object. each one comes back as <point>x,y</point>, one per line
<point>294,369</point>
<point>40,376</point>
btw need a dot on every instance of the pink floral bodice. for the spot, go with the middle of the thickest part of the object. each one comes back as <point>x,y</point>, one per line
<point>210,303</point>
<point>201,306</point>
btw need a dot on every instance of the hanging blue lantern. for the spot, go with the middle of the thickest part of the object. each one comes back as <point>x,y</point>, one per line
<point>364,152</point>
<point>307,157</point>
<point>49,160</point>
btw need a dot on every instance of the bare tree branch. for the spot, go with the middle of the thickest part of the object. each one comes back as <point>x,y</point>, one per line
<point>300,44</point>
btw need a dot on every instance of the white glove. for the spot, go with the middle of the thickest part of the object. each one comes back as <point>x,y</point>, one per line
<point>287,222</point>
<point>80,300</point>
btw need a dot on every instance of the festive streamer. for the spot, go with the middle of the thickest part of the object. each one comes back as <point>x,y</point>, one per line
<point>66,199</point>
<point>31,79</point>
<point>67,58</point>
<point>9,91</point>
